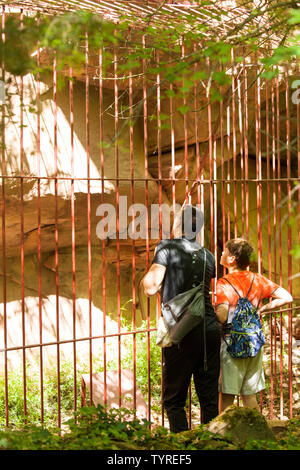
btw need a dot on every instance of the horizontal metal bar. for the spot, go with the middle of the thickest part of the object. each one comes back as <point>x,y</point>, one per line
<point>118,334</point>
<point>200,181</point>
<point>267,312</point>
<point>86,338</point>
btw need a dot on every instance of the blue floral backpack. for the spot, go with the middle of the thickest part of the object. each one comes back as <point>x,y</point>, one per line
<point>246,335</point>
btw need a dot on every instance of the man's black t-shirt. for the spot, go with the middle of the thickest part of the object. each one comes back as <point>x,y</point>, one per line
<point>184,270</point>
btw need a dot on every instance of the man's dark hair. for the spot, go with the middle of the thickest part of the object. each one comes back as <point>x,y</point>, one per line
<point>192,221</point>
<point>242,250</point>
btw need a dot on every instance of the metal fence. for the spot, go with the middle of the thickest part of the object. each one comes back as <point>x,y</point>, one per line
<point>244,176</point>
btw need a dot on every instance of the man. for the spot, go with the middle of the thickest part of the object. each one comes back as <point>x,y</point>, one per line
<point>177,267</point>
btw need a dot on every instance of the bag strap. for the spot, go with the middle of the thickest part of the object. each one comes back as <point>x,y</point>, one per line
<point>237,291</point>
<point>204,268</point>
<point>250,286</point>
<point>204,325</point>
<point>232,287</point>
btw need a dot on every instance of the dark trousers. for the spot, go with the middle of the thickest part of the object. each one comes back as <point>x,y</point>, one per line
<point>182,362</point>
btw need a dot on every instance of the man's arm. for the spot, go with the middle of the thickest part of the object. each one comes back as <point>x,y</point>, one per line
<point>282,297</point>
<point>152,280</point>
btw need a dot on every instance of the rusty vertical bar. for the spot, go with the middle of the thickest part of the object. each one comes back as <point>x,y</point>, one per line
<point>258,165</point>
<point>215,199</point>
<point>197,143</point>
<point>158,98</point>
<point>246,148</point>
<point>289,260</point>
<point>22,236</point>
<point>234,152</point>
<point>241,132</point>
<point>131,136</point>
<point>71,99</point>
<point>186,173</point>
<point>159,194</point>
<point>116,110</point>
<point>56,240</point>
<point>145,128</point>
<point>223,270</point>
<point>197,149</point>
<point>298,158</point>
<point>278,176</point>
<point>211,171</point>
<point>279,235</point>
<point>3,106</point>
<point>234,141</point>
<point>274,225</point>
<point>228,188</point>
<point>87,144</point>
<point>39,238</point>
<point>102,175</point>
<point>223,181</point>
<point>211,186</point>
<point>210,149</point>
<point>186,168</point>
<point>269,244</point>
<point>172,132</point>
<point>258,174</point>
<point>83,393</point>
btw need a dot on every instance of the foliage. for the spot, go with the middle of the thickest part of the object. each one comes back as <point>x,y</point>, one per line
<point>94,428</point>
<point>33,393</point>
<point>289,441</point>
<point>147,378</point>
<point>65,37</point>
<point>68,36</point>
<point>145,374</point>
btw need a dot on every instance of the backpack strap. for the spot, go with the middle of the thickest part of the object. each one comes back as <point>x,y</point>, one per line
<point>232,287</point>
<point>237,291</point>
<point>250,286</point>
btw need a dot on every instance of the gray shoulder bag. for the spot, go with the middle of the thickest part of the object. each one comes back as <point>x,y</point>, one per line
<point>183,313</point>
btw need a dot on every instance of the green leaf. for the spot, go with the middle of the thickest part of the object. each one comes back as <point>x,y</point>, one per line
<point>295,17</point>
<point>187,85</point>
<point>295,251</point>
<point>199,75</point>
<point>221,78</point>
<point>215,95</point>
<point>170,93</point>
<point>183,109</point>
<point>269,74</point>
<point>163,116</point>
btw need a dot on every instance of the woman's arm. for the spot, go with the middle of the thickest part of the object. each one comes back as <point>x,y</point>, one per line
<point>282,297</point>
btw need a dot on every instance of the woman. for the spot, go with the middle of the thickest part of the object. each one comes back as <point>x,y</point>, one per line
<point>243,376</point>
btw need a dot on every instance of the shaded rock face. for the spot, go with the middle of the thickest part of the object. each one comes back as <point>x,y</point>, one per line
<point>46,152</point>
<point>57,150</point>
<point>241,424</point>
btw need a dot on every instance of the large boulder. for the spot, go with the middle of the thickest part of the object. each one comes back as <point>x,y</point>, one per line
<point>239,424</point>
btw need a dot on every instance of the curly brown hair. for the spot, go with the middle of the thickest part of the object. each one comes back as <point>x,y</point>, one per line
<point>242,250</point>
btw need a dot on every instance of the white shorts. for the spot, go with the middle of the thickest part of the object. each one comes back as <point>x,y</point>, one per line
<point>241,376</point>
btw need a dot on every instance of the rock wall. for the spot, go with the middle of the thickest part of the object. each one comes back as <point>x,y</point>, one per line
<point>56,311</point>
<point>45,195</point>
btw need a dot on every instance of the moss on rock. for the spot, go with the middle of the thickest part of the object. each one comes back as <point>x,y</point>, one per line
<point>241,424</point>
